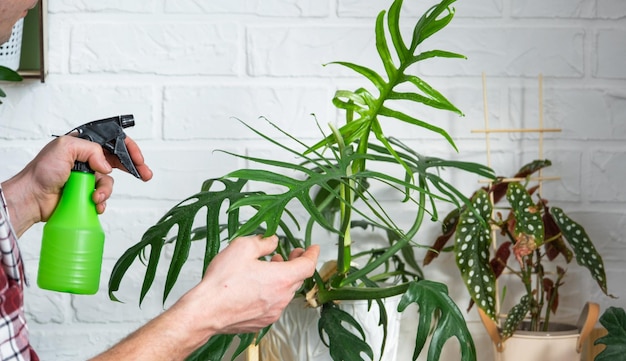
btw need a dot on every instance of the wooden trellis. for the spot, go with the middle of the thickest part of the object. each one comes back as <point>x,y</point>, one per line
<point>540,130</point>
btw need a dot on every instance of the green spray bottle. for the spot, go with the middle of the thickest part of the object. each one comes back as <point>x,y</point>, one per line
<point>73,239</point>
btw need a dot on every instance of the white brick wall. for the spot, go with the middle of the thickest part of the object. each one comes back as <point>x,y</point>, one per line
<point>185,68</point>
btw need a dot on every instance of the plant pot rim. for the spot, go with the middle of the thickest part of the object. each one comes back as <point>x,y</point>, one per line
<point>555,329</point>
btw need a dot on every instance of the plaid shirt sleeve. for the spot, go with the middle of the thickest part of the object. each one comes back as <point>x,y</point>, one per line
<point>14,343</point>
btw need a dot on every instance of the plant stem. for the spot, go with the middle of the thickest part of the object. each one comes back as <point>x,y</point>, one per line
<point>553,295</point>
<point>344,253</point>
<point>402,242</point>
<point>540,274</point>
<point>345,240</point>
<point>527,280</point>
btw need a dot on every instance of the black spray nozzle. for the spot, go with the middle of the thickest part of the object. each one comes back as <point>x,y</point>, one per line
<point>109,133</point>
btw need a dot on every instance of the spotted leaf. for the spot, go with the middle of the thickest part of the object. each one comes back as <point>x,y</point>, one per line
<point>515,317</point>
<point>471,247</point>
<point>586,254</point>
<point>528,223</point>
<point>556,245</point>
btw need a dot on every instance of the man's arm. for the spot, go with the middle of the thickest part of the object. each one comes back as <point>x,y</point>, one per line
<point>238,294</point>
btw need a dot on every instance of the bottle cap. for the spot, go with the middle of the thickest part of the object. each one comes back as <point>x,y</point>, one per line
<point>82,167</point>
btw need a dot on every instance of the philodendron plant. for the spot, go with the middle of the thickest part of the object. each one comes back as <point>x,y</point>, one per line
<point>331,183</point>
<point>8,74</point>
<point>531,231</point>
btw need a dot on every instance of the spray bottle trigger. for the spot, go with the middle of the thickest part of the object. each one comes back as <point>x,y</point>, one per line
<point>109,133</point>
<point>121,151</point>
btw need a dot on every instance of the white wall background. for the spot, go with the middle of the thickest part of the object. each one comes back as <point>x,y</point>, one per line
<point>185,68</point>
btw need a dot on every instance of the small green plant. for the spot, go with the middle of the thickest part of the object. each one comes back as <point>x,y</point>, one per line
<point>531,231</point>
<point>331,182</point>
<point>8,74</point>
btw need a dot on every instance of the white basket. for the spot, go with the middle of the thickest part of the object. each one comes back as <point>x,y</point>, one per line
<point>11,50</point>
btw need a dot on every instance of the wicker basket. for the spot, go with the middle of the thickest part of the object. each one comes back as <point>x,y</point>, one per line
<point>11,50</point>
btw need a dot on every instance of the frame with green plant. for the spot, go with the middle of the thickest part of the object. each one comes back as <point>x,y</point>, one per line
<point>331,183</point>
<point>8,74</point>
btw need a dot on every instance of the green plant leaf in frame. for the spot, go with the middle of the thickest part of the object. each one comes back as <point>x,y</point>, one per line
<point>8,74</point>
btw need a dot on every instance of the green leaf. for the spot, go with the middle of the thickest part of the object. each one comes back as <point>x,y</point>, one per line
<point>383,48</point>
<point>8,74</point>
<point>414,121</point>
<point>245,340</point>
<point>528,222</point>
<point>213,350</point>
<point>614,320</point>
<point>437,54</point>
<point>532,167</point>
<point>270,207</point>
<point>343,343</point>
<point>355,101</point>
<point>408,255</point>
<point>431,22</point>
<point>586,254</point>
<point>437,313</point>
<point>393,25</point>
<point>181,216</point>
<point>515,317</point>
<point>370,74</point>
<point>472,242</point>
<point>368,124</point>
<point>431,97</point>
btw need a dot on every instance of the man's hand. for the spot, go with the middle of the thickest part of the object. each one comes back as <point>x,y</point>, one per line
<point>33,193</point>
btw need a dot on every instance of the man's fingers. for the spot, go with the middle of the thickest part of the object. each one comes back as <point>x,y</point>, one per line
<point>312,253</point>
<point>277,258</point>
<point>303,265</point>
<point>296,253</point>
<point>256,246</point>
<point>104,188</point>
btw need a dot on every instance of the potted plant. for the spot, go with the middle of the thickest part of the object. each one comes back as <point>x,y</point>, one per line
<point>7,74</point>
<point>330,182</point>
<point>528,235</point>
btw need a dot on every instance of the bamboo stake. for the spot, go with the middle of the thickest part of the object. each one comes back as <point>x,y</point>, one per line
<point>486,117</point>
<point>488,146</point>
<point>253,353</point>
<point>540,133</point>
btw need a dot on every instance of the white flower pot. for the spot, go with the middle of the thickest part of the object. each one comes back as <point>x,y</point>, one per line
<point>295,336</point>
<point>11,51</point>
<point>558,345</point>
<point>561,343</point>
